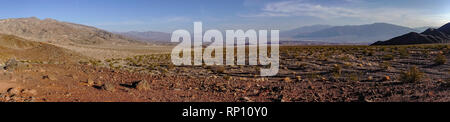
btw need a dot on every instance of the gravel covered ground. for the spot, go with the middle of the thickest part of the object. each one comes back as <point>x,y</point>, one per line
<point>307,74</point>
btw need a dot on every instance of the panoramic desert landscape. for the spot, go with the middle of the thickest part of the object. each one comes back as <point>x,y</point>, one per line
<point>45,60</point>
<point>132,51</point>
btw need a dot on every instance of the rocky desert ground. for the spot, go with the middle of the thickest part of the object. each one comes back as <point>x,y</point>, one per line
<point>47,72</point>
<point>52,61</point>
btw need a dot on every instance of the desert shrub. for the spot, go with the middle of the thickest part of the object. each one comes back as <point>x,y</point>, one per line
<point>302,65</point>
<point>345,58</point>
<point>151,67</point>
<point>403,53</point>
<point>322,57</point>
<point>440,47</point>
<point>388,57</point>
<point>385,65</point>
<point>226,77</point>
<point>384,49</point>
<point>218,69</point>
<point>82,62</point>
<point>368,52</point>
<point>440,59</point>
<point>446,83</point>
<point>119,67</point>
<point>300,58</point>
<point>164,70</point>
<point>108,60</point>
<point>95,62</point>
<point>287,79</point>
<point>347,65</point>
<point>412,75</point>
<point>170,66</point>
<point>426,53</point>
<point>353,76</point>
<point>336,70</point>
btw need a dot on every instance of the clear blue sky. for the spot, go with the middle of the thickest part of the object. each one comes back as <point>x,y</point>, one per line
<point>168,15</point>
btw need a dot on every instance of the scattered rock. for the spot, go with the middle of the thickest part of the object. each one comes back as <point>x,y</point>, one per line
<point>143,85</point>
<point>246,99</point>
<point>49,77</point>
<point>14,90</point>
<point>90,82</point>
<point>228,78</point>
<point>386,78</point>
<point>299,78</point>
<point>370,78</point>
<point>109,87</point>
<point>30,91</point>
<point>72,76</point>
<point>287,80</point>
<point>280,98</point>
<point>11,64</point>
<point>310,85</point>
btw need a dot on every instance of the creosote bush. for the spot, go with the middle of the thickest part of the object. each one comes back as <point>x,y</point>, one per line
<point>218,69</point>
<point>336,70</point>
<point>385,65</point>
<point>440,59</point>
<point>412,75</point>
<point>403,53</point>
<point>388,57</point>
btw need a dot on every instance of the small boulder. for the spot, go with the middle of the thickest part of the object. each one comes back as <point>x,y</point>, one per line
<point>109,87</point>
<point>11,64</point>
<point>287,80</point>
<point>143,85</point>
<point>49,77</point>
<point>30,91</point>
<point>90,82</point>
<point>386,78</point>
<point>299,78</point>
<point>370,78</point>
<point>14,90</point>
<point>246,99</point>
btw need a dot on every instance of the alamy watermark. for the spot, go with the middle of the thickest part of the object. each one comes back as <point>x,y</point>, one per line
<point>238,40</point>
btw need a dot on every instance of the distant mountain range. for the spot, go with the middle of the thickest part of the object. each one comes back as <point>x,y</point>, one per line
<point>422,29</point>
<point>289,35</point>
<point>50,30</point>
<point>315,34</point>
<point>430,36</point>
<point>148,36</point>
<point>346,34</point>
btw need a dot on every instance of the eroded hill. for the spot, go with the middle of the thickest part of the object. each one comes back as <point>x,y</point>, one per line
<point>50,30</point>
<point>31,51</point>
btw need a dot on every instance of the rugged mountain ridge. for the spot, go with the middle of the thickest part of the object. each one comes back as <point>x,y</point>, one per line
<point>21,49</point>
<point>148,36</point>
<point>429,36</point>
<point>291,34</point>
<point>54,31</point>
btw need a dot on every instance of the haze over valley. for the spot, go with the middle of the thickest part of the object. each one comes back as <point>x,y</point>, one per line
<point>121,51</point>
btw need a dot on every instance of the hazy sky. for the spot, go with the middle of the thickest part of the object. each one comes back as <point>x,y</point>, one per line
<point>169,15</point>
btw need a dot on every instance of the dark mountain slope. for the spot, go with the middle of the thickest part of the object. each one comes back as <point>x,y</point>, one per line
<point>430,36</point>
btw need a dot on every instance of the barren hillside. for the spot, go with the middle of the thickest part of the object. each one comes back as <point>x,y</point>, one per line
<point>50,30</point>
<point>25,50</point>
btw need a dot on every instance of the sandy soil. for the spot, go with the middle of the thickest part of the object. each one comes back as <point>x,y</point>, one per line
<point>304,77</point>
